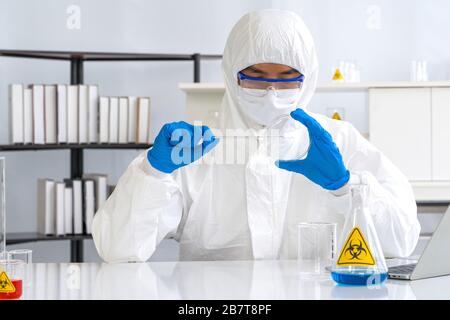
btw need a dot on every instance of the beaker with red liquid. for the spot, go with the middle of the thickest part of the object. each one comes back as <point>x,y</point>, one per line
<point>12,273</point>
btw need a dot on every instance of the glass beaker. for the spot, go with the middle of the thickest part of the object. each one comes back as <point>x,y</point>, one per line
<point>24,255</point>
<point>12,273</point>
<point>316,246</point>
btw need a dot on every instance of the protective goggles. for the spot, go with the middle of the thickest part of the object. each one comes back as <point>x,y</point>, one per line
<point>266,83</point>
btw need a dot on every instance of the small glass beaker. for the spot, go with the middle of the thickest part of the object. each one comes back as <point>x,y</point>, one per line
<point>316,247</point>
<point>12,273</point>
<point>24,255</point>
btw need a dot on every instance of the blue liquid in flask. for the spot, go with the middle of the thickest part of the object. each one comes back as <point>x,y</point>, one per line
<point>358,277</point>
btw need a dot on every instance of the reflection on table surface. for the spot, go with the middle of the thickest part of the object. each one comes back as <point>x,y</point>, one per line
<point>278,279</point>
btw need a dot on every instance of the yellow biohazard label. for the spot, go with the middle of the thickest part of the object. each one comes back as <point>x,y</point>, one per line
<point>338,75</point>
<point>356,251</point>
<point>6,285</point>
<point>336,116</point>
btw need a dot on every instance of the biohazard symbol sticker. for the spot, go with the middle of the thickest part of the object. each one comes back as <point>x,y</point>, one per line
<point>356,251</point>
<point>338,75</point>
<point>6,285</point>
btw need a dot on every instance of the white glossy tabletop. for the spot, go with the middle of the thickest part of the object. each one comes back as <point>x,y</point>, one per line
<point>210,280</point>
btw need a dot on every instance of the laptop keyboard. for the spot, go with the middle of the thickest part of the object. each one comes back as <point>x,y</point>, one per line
<point>402,269</point>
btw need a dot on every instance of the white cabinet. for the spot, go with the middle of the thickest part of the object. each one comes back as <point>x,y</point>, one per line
<point>440,134</point>
<point>400,126</point>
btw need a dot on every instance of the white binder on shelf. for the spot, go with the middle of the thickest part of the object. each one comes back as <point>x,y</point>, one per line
<point>88,205</point>
<point>50,113</point>
<point>27,116</point>
<point>46,206</point>
<point>16,113</point>
<point>77,199</point>
<point>72,114</point>
<point>61,102</point>
<point>132,119</point>
<point>59,208</point>
<point>104,120</point>
<point>101,188</point>
<point>68,210</point>
<point>93,113</point>
<point>143,120</point>
<point>113,120</point>
<point>82,114</point>
<point>123,120</point>
<point>38,114</point>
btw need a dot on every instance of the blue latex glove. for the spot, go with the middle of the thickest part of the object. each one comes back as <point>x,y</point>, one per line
<point>323,164</point>
<point>177,145</point>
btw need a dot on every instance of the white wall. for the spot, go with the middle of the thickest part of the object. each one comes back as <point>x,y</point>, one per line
<point>408,30</point>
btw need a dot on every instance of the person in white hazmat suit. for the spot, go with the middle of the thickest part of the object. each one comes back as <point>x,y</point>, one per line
<point>251,210</point>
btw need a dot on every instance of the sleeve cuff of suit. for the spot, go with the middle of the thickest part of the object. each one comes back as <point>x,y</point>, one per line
<point>354,179</point>
<point>151,171</point>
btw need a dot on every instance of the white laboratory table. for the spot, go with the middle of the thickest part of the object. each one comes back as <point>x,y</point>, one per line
<point>277,279</point>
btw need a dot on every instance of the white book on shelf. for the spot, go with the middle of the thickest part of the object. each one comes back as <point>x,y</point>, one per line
<point>72,114</point>
<point>101,188</point>
<point>123,120</point>
<point>83,114</point>
<point>93,113</point>
<point>38,114</point>
<point>50,113</point>
<point>132,119</point>
<point>46,206</point>
<point>16,113</point>
<point>88,205</point>
<point>28,115</point>
<point>61,102</point>
<point>68,210</point>
<point>104,120</point>
<point>143,120</point>
<point>59,200</point>
<point>78,207</point>
<point>113,120</point>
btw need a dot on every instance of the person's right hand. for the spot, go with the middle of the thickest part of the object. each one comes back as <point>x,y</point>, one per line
<point>177,145</point>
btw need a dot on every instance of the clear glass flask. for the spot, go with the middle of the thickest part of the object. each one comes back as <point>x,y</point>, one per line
<point>359,259</point>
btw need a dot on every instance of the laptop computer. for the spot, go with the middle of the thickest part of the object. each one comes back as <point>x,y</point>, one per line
<point>435,259</point>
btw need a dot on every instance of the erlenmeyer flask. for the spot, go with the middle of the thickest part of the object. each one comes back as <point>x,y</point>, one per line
<point>359,259</point>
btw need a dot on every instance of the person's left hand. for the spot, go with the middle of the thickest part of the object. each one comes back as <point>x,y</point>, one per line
<point>323,164</point>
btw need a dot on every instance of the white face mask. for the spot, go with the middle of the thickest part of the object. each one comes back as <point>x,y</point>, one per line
<point>265,106</point>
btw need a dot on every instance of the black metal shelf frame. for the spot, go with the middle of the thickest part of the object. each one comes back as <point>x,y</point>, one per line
<point>77,60</point>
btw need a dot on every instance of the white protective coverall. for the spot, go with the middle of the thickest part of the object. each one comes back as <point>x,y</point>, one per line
<point>251,210</point>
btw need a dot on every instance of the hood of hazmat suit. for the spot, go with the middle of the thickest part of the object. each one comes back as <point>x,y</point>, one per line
<point>250,209</point>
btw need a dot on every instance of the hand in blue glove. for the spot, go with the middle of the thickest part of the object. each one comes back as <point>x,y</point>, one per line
<point>178,144</point>
<point>323,165</point>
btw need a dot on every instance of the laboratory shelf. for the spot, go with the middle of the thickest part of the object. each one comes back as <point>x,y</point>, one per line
<point>25,237</point>
<point>36,147</point>
<point>77,60</point>
<point>105,56</point>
